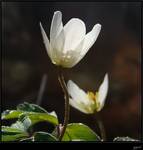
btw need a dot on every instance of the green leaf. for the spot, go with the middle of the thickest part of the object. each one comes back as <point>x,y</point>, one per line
<point>12,134</point>
<point>30,108</point>
<point>35,117</point>
<point>79,132</point>
<point>22,124</point>
<point>40,117</point>
<point>43,136</point>
<point>16,131</point>
<point>11,114</point>
<point>10,129</point>
<point>124,139</point>
<point>34,112</point>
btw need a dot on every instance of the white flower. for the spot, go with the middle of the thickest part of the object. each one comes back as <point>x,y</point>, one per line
<point>88,102</point>
<point>68,44</point>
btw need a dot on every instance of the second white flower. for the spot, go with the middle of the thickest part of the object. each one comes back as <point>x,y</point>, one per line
<point>89,102</point>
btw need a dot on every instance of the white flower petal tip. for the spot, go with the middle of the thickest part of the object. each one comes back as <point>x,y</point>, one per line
<point>56,26</point>
<point>97,29</point>
<point>102,92</point>
<point>98,26</point>
<point>105,84</point>
<point>41,27</point>
<point>68,44</point>
<point>58,12</point>
<point>45,40</point>
<point>56,15</point>
<point>69,83</point>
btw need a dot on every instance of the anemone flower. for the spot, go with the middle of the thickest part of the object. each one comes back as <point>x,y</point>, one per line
<point>68,44</point>
<point>88,102</point>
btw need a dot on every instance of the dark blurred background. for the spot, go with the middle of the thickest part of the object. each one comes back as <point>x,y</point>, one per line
<point>25,62</point>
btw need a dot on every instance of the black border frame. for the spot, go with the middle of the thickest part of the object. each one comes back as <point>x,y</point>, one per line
<point>134,145</point>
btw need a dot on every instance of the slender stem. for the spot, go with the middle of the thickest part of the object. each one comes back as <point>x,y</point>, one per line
<point>42,89</point>
<point>67,108</point>
<point>101,127</point>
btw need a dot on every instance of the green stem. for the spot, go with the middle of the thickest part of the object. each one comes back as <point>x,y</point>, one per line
<point>67,107</point>
<point>101,126</point>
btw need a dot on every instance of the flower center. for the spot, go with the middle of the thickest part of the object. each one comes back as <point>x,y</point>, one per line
<point>91,96</point>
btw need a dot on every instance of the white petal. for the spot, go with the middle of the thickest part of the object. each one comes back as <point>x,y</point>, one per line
<point>56,26</point>
<point>102,92</point>
<point>76,55</point>
<point>78,106</point>
<point>77,94</point>
<point>46,40</point>
<point>58,47</point>
<point>74,31</point>
<point>59,41</point>
<point>71,57</point>
<point>90,39</point>
<point>87,42</point>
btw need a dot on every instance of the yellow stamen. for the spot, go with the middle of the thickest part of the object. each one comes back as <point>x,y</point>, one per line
<point>91,96</point>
